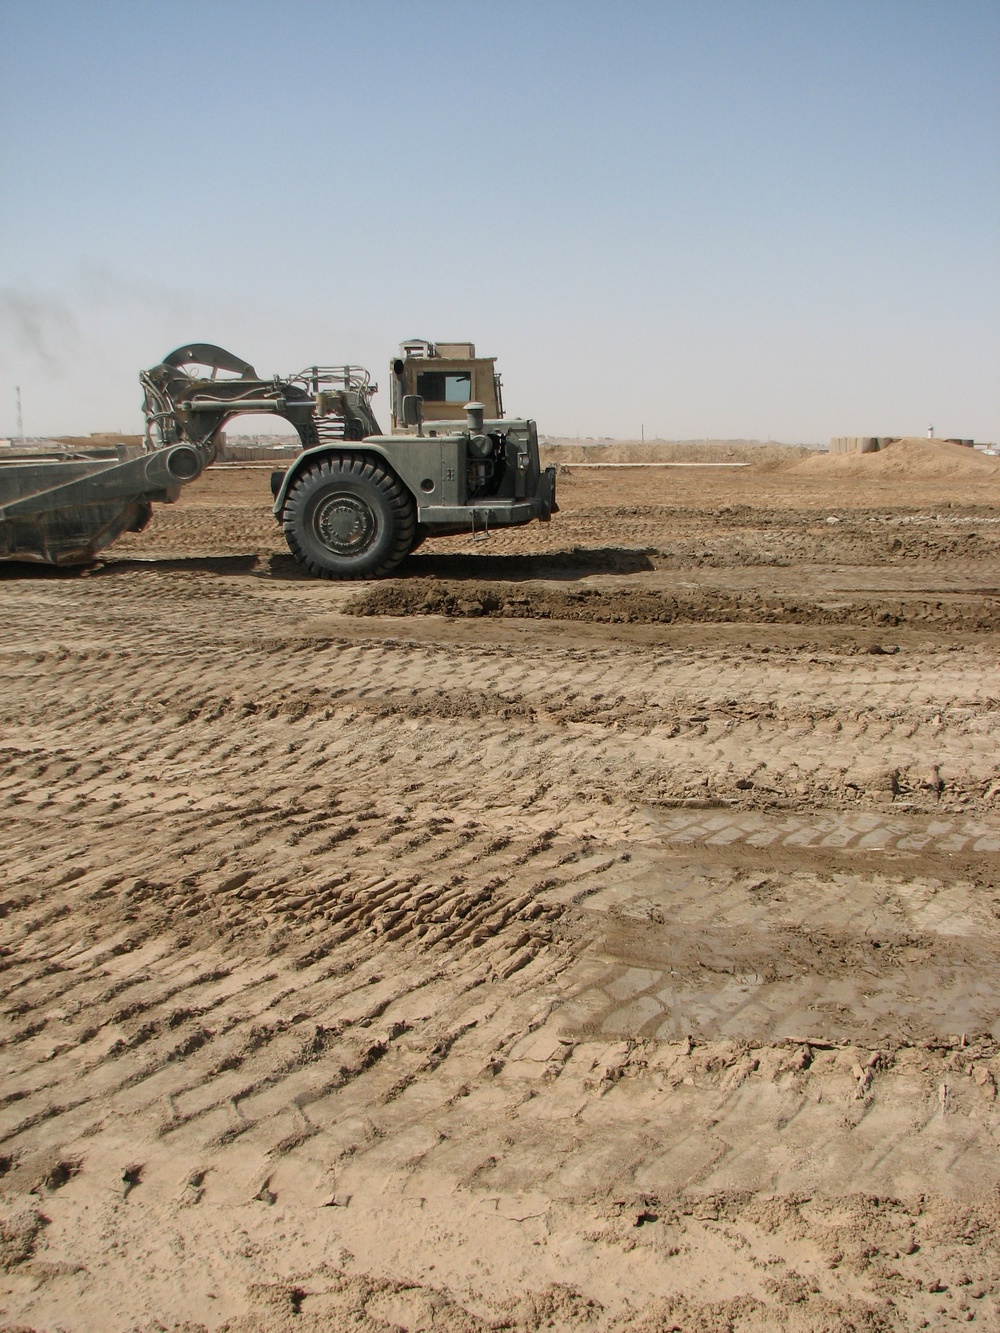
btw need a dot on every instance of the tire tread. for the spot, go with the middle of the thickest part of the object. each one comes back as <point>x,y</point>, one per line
<point>359,467</point>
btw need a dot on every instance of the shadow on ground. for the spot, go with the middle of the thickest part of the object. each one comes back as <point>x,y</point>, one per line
<point>28,569</point>
<point>25,571</point>
<point>196,564</point>
<point>576,564</point>
<point>465,567</point>
<point>566,565</point>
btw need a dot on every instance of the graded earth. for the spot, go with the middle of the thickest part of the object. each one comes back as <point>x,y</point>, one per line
<point>593,928</point>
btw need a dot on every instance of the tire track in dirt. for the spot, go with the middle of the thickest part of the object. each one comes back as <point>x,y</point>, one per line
<point>326,927</point>
<point>770,742</point>
<point>213,901</point>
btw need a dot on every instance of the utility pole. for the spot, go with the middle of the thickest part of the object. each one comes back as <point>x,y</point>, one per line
<point>642,434</point>
<point>20,418</point>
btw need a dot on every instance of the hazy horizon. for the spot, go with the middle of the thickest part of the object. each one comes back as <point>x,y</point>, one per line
<point>704,220</point>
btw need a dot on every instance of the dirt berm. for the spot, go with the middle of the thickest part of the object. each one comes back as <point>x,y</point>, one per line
<point>627,607</point>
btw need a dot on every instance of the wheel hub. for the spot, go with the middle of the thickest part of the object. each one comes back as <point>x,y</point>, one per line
<point>344,524</point>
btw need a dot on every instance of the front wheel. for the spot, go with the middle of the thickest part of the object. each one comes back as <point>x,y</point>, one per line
<point>349,517</point>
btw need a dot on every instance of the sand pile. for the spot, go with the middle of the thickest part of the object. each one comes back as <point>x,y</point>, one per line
<point>911,457</point>
<point>689,451</point>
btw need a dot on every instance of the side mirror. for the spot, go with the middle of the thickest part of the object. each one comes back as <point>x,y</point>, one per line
<point>413,410</point>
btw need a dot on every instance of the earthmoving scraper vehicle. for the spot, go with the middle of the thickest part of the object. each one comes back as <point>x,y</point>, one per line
<point>354,502</point>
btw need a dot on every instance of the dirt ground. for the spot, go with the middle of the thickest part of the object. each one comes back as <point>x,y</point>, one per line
<point>594,928</point>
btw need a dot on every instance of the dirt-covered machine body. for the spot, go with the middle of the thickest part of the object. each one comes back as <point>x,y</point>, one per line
<point>65,506</point>
<point>354,502</point>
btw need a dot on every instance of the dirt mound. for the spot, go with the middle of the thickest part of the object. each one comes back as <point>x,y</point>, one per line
<point>912,457</point>
<point>687,451</point>
<point>427,597</point>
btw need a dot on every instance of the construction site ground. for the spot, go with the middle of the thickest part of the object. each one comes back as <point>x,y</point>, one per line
<point>592,928</point>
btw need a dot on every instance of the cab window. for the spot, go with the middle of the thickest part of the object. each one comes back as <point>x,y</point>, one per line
<point>445,386</point>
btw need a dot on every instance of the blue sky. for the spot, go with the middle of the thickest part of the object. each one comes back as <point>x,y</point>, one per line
<point>724,218</point>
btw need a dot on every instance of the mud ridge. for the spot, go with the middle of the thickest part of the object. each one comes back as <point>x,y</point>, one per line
<point>625,606</point>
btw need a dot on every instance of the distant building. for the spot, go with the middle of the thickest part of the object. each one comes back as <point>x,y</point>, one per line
<point>860,444</point>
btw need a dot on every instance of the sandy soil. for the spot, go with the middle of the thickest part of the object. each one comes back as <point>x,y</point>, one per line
<point>593,928</point>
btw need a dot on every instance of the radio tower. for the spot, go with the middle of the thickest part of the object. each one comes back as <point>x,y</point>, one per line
<point>20,419</point>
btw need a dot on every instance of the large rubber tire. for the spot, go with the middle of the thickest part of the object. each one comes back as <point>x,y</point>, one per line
<point>349,517</point>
